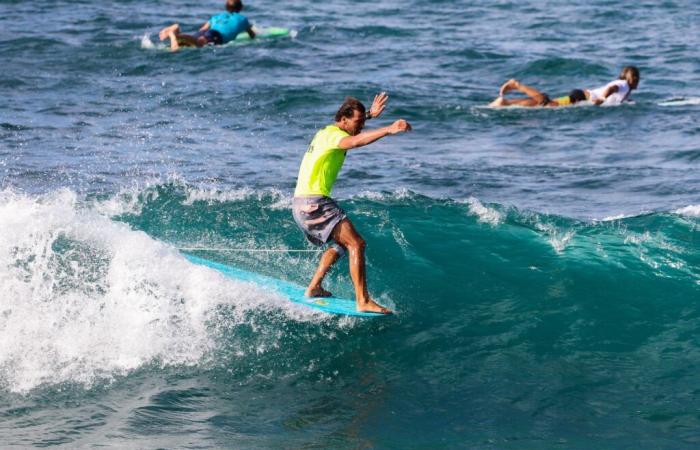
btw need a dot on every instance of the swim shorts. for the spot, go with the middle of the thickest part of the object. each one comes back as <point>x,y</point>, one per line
<point>317,217</point>
<point>212,36</point>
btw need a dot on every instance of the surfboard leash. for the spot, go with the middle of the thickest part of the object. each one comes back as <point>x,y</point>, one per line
<point>248,250</point>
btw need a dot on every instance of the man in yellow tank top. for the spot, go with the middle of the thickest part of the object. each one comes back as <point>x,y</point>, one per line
<point>317,214</point>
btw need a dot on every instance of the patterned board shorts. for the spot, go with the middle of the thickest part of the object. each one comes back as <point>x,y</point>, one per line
<point>317,217</point>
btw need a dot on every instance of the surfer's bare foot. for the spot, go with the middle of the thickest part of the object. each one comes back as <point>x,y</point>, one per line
<point>318,291</point>
<point>508,86</point>
<point>166,32</point>
<point>370,305</point>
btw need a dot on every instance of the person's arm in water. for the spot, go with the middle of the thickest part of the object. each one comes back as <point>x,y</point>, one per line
<point>205,27</point>
<point>367,137</point>
<point>250,32</point>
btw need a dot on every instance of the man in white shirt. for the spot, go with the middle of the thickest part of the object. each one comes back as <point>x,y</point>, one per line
<point>618,91</point>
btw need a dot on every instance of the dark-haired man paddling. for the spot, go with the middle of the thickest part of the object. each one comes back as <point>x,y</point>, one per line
<point>218,30</point>
<point>317,214</point>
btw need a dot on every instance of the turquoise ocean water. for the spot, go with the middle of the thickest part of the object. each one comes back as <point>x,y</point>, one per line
<point>544,264</point>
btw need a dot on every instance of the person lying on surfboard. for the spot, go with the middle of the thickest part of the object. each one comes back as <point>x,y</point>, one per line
<point>613,93</point>
<point>218,30</point>
<point>317,214</point>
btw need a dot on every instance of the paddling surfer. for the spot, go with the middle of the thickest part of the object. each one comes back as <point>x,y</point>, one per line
<point>317,214</point>
<point>218,30</point>
<point>613,93</point>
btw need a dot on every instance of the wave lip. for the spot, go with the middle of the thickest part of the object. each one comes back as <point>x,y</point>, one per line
<point>485,214</point>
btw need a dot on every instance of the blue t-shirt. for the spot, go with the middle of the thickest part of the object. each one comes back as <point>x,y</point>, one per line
<point>229,25</point>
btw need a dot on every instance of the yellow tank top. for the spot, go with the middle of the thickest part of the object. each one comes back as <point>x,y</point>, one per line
<point>321,164</point>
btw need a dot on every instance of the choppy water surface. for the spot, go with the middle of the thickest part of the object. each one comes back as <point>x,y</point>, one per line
<point>544,264</point>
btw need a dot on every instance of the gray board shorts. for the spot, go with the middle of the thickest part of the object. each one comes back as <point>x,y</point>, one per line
<point>317,217</point>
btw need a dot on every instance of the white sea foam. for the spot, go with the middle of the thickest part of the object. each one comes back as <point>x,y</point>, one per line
<point>146,41</point>
<point>616,217</point>
<point>126,201</point>
<point>85,298</point>
<point>215,195</point>
<point>148,44</point>
<point>558,239</point>
<point>484,213</point>
<point>691,211</point>
<point>398,194</point>
<point>682,101</point>
<point>637,238</point>
<point>131,200</point>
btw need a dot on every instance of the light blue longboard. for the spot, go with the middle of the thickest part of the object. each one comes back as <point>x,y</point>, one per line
<point>291,291</point>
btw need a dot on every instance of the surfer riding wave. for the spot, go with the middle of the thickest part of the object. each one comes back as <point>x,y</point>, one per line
<point>318,215</point>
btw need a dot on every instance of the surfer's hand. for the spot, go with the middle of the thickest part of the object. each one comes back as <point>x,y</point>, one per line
<point>399,126</point>
<point>378,105</point>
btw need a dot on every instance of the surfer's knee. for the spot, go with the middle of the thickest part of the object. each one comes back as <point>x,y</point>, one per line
<point>340,251</point>
<point>356,244</point>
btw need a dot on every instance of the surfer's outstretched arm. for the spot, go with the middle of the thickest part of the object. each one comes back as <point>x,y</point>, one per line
<point>367,137</point>
<point>378,105</point>
<point>251,32</point>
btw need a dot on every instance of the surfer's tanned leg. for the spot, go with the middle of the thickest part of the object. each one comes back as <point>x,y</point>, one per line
<point>535,97</point>
<point>172,32</point>
<point>328,258</point>
<point>167,31</point>
<point>346,235</point>
<point>177,39</point>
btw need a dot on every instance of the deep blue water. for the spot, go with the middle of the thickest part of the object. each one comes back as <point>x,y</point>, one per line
<point>544,264</point>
